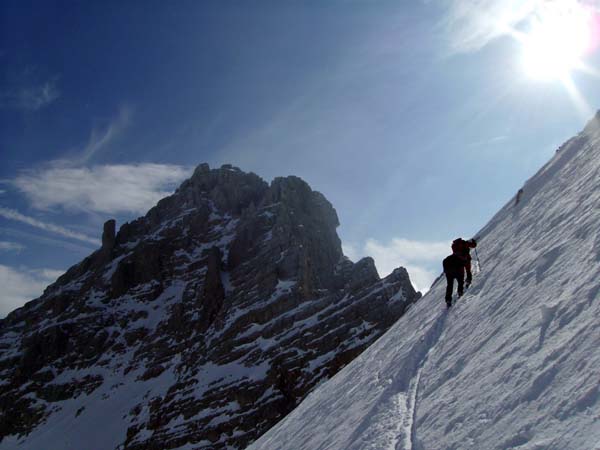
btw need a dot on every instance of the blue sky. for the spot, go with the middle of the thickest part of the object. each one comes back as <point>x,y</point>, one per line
<point>415,119</point>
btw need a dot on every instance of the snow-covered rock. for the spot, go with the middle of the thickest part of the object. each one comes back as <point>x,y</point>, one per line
<point>515,364</point>
<point>198,326</point>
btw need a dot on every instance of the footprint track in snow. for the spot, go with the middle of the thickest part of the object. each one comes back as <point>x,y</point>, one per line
<point>429,341</point>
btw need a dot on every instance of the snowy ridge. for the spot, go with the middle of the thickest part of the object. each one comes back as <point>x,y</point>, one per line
<point>513,365</point>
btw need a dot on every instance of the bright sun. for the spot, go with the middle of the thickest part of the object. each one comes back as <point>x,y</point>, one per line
<point>558,37</point>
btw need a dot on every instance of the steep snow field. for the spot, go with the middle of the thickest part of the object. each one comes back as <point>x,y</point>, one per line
<point>515,364</point>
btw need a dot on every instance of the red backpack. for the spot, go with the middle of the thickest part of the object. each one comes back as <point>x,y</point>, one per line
<point>459,246</point>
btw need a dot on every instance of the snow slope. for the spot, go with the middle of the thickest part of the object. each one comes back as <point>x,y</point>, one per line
<point>514,365</point>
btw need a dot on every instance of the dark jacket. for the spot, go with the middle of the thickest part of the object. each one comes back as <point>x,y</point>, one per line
<point>454,265</point>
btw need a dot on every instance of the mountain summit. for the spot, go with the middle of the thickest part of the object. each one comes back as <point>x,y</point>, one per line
<point>513,365</point>
<point>199,325</point>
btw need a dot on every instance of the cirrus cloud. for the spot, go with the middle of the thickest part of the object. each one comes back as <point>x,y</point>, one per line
<point>473,24</point>
<point>99,139</point>
<point>19,285</point>
<point>30,98</point>
<point>11,246</point>
<point>11,214</point>
<point>109,189</point>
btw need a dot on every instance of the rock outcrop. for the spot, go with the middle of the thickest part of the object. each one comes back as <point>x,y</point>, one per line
<point>199,325</point>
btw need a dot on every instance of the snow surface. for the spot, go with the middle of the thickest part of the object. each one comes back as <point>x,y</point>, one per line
<point>515,364</point>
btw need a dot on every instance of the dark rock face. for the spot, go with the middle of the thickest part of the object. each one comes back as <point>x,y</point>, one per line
<point>108,235</point>
<point>202,323</point>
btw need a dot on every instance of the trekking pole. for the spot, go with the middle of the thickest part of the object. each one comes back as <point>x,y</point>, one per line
<point>478,261</point>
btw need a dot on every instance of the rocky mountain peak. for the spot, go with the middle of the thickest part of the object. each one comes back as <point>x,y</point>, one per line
<point>203,322</point>
<point>230,189</point>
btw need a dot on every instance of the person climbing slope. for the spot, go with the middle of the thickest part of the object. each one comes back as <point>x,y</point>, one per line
<point>462,249</point>
<point>454,269</point>
<point>455,266</point>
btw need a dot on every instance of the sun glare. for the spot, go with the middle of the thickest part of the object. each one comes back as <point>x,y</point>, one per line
<point>557,39</point>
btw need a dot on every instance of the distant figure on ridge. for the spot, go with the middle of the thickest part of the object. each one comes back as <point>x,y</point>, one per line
<point>518,199</point>
<point>455,266</point>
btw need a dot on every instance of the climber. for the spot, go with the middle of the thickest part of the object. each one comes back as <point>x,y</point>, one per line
<point>518,198</point>
<point>456,265</point>
<point>454,269</point>
<point>462,249</point>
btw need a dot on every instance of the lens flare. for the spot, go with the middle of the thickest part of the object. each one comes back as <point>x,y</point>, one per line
<point>558,38</point>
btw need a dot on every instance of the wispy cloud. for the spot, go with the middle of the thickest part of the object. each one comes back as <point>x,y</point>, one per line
<point>30,98</point>
<point>82,248</point>
<point>99,139</point>
<point>71,183</point>
<point>10,246</point>
<point>473,24</point>
<point>491,141</point>
<point>104,189</point>
<point>11,214</point>
<point>19,285</point>
<point>422,259</point>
